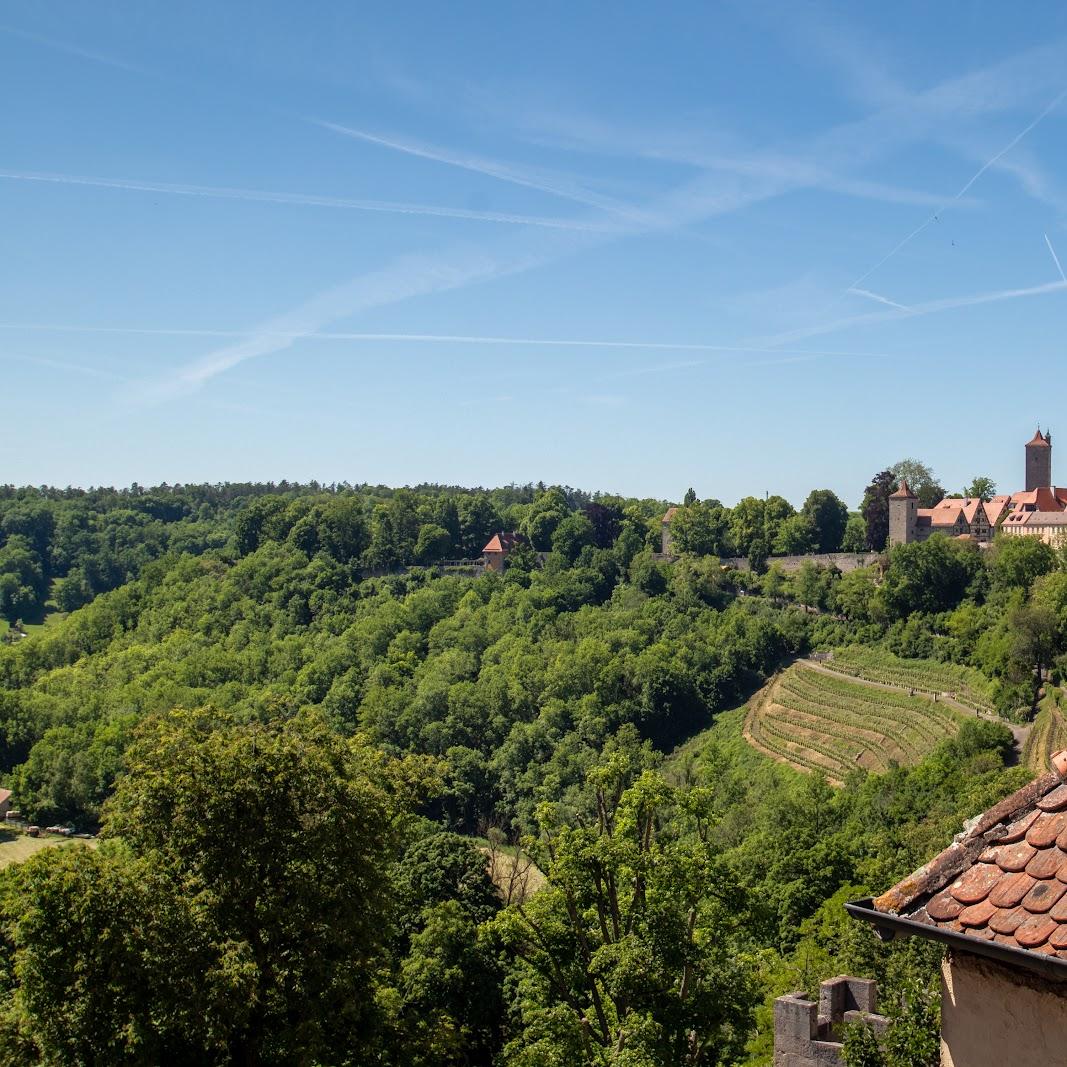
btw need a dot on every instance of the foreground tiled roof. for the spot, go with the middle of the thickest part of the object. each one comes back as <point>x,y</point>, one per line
<point>903,491</point>
<point>1039,439</point>
<point>1005,878</point>
<point>669,515</point>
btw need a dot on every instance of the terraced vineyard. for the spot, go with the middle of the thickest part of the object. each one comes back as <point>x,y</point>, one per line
<point>968,686</point>
<point>818,722</point>
<point>1049,734</point>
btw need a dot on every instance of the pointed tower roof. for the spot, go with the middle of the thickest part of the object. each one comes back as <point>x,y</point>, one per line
<point>903,492</point>
<point>1038,439</point>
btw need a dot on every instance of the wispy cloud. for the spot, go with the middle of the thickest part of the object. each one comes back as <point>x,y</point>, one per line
<point>405,277</point>
<point>74,50</point>
<point>880,299</point>
<point>301,199</point>
<point>554,184</point>
<point>916,310</point>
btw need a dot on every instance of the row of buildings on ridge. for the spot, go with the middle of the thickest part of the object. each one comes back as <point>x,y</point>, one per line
<point>1040,510</point>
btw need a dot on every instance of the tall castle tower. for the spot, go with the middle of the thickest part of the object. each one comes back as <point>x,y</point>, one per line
<point>903,515</point>
<point>1039,460</point>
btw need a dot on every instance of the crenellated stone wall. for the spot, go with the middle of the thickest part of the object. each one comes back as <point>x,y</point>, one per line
<point>810,1034</point>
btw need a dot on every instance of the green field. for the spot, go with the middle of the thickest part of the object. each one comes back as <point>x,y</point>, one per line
<point>15,846</point>
<point>816,722</point>
<point>48,620</point>
<point>47,616</point>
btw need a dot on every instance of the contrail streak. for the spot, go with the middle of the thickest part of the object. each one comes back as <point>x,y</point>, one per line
<point>442,338</point>
<point>879,298</point>
<point>970,181</point>
<point>915,311</point>
<point>74,50</point>
<point>490,168</point>
<point>1055,258</point>
<point>300,199</point>
<point>66,365</point>
<point>401,279</point>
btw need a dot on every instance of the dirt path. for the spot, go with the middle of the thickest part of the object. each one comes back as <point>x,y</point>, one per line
<point>1020,733</point>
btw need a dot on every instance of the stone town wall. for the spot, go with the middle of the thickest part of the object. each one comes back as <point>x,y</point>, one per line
<point>809,1034</point>
<point>843,561</point>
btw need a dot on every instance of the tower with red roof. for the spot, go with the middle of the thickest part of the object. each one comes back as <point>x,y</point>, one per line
<point>903,514</point>
<point>1039,461</point>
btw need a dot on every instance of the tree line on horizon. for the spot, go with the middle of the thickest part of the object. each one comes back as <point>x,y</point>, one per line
<point>66,546</point>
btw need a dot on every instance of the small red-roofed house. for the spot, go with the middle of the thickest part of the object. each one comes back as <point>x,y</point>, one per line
<point>997,898</point>
<point>5,802</point>
<point>499,547</point>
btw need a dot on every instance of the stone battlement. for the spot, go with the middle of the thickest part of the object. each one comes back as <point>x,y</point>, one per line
<point>809,1034</point>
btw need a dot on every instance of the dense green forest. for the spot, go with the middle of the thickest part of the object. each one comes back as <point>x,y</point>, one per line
<point>296,737</point>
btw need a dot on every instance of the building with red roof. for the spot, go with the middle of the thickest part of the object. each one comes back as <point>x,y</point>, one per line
<point>1037,510</point>
<point>500,546</point>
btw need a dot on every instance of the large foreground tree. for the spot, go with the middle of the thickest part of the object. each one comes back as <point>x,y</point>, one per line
<point>236,913</point>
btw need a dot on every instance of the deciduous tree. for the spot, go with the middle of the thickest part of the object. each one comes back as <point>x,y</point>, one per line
<point>921,480</point>
<point>828,516</point>
<point>629,955</point>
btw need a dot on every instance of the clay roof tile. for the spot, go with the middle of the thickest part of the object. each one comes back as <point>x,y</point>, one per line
<point>1005,878</point>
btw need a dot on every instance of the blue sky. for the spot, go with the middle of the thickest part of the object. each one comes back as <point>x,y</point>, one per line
<point>745,247</point>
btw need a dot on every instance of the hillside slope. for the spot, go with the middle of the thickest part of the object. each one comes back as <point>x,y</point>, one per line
<point>814,721</point>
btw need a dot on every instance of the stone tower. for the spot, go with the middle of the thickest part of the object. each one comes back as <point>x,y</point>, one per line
<point>903,515</point>
<point>1039,461</point>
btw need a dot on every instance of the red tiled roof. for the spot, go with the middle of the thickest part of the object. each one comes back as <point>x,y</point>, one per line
<point>669,514</point>
<point>504,542</point>
<point>902,491</point>
<point>1038,439</point>
<point>5,794</point>
<point>949,511</point>
<point>1047,498</point>
<point>994,507</point>
<point>941,516</point>
<point>1005,878</point>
